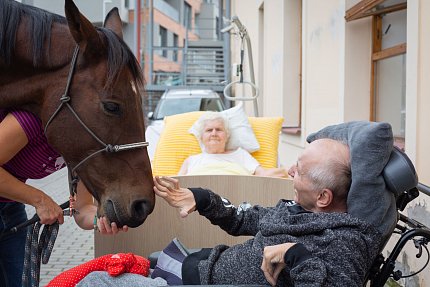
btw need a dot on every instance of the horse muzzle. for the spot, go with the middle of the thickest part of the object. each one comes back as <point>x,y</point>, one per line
<point>133,216</point>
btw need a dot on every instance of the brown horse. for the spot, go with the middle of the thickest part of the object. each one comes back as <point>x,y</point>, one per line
<point>36,56</point>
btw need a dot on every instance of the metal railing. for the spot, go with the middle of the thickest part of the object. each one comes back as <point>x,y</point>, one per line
<point>197,62</point>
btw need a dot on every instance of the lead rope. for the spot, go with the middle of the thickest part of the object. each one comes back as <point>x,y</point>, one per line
<point>37,250</point>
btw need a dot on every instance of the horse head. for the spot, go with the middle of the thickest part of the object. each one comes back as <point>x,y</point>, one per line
<point>103,109</point>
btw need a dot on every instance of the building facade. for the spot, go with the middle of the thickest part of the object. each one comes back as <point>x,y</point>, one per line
<point>315,66</point>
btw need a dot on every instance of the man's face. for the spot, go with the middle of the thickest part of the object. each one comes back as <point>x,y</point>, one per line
<point>316,153</point>
<point>304,193</point>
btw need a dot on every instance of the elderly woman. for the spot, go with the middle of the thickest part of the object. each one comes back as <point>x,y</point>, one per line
<point>213,133</point>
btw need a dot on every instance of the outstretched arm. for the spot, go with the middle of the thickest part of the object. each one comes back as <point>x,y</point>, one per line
<point>181,198</point>
<point>14,189</point>
<point>274,172</point>
<point>46,208</point>
<point>184,167</point>
<point>87,215</point>
<point>241,220</point>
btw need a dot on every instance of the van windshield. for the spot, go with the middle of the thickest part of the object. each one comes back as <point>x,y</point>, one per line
<point>168,107</point>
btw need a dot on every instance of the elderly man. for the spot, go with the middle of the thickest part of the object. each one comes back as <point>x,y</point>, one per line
<point>310,241</point>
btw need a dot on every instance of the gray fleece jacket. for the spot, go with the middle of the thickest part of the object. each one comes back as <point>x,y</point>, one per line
<point>335,249</point>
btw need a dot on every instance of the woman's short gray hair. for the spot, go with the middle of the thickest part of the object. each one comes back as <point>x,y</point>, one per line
<point>211,116</point>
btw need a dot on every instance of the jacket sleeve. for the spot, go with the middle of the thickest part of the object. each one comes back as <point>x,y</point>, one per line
<point>241,220</point>
<point>334,269</point>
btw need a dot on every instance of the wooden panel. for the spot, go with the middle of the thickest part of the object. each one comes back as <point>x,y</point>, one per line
<point>376,47</point>
<point>389,52</point>
<point>360,8</point>
<point>195,231</point>
<point>386,10</point>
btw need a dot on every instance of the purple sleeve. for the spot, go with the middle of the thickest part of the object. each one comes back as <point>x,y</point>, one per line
<point>31,124</point>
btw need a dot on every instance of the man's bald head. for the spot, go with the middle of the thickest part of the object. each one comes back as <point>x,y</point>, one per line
<point>328,166</point>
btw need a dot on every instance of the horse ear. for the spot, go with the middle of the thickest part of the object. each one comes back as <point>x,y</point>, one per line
<point>113,22</point>
<point>82,30</point>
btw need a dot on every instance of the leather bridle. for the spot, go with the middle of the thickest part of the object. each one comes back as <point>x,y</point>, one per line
<point>109,148</point>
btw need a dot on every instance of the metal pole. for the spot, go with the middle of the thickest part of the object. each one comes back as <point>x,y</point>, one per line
<point>226,48</point>
<point>220,22</point>
<point>423,188</point>
<point>136,45</point>
<point>151,41</point>
<point>244,32</point>
<point>185,55</point>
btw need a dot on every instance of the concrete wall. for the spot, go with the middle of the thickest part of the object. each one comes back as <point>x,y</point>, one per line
<point>417,119</point>
<point>323,63</point>
<point>336,80</point>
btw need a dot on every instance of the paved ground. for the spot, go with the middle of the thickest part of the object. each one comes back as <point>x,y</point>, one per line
<point>73,245</point>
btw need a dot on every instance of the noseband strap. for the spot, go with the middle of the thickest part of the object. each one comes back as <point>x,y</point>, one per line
<point>109,148</point>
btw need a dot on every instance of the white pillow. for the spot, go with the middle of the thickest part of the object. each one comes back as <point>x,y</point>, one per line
<point>241,133</point>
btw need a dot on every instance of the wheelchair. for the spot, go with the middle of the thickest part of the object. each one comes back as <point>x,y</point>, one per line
<point>401,178</point>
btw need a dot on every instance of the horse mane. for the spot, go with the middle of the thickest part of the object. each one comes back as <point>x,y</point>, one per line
<point>40,21</point>
<point>120,56</point>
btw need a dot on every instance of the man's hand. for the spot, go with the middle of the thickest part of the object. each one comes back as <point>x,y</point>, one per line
<point>182,198</point>
<point>106,227</point>
<point>273,261</point>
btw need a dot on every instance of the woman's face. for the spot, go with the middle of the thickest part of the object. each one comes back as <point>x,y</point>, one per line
<point>214,136</point>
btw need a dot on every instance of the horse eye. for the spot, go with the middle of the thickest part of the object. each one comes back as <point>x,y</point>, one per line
<point>112,108</point>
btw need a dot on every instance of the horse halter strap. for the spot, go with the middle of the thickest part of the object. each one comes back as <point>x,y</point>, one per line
<point>110,148</point>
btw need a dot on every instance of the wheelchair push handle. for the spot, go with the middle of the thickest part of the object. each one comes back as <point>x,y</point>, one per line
<point>423,188</point>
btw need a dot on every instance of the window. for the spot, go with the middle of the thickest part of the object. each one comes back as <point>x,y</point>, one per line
<point>390,91</point>
<point>390,74</point>
<point>163,38</point>
<point>388,67</point>
<point>175,46</point>
<point>187,16</point>
<point>292,60</point>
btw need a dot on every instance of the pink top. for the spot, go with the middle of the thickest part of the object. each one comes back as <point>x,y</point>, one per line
<point>37,159</point>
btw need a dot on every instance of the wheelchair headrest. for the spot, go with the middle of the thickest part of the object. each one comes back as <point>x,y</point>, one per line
<point>399,173</point>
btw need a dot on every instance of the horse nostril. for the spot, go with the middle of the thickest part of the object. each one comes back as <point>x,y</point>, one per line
<point>140,209</point>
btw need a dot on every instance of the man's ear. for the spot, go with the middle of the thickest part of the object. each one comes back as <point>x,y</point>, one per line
<point>325,198</point>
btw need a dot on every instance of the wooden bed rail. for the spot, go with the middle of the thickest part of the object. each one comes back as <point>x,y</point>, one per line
<point>195,231</point>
